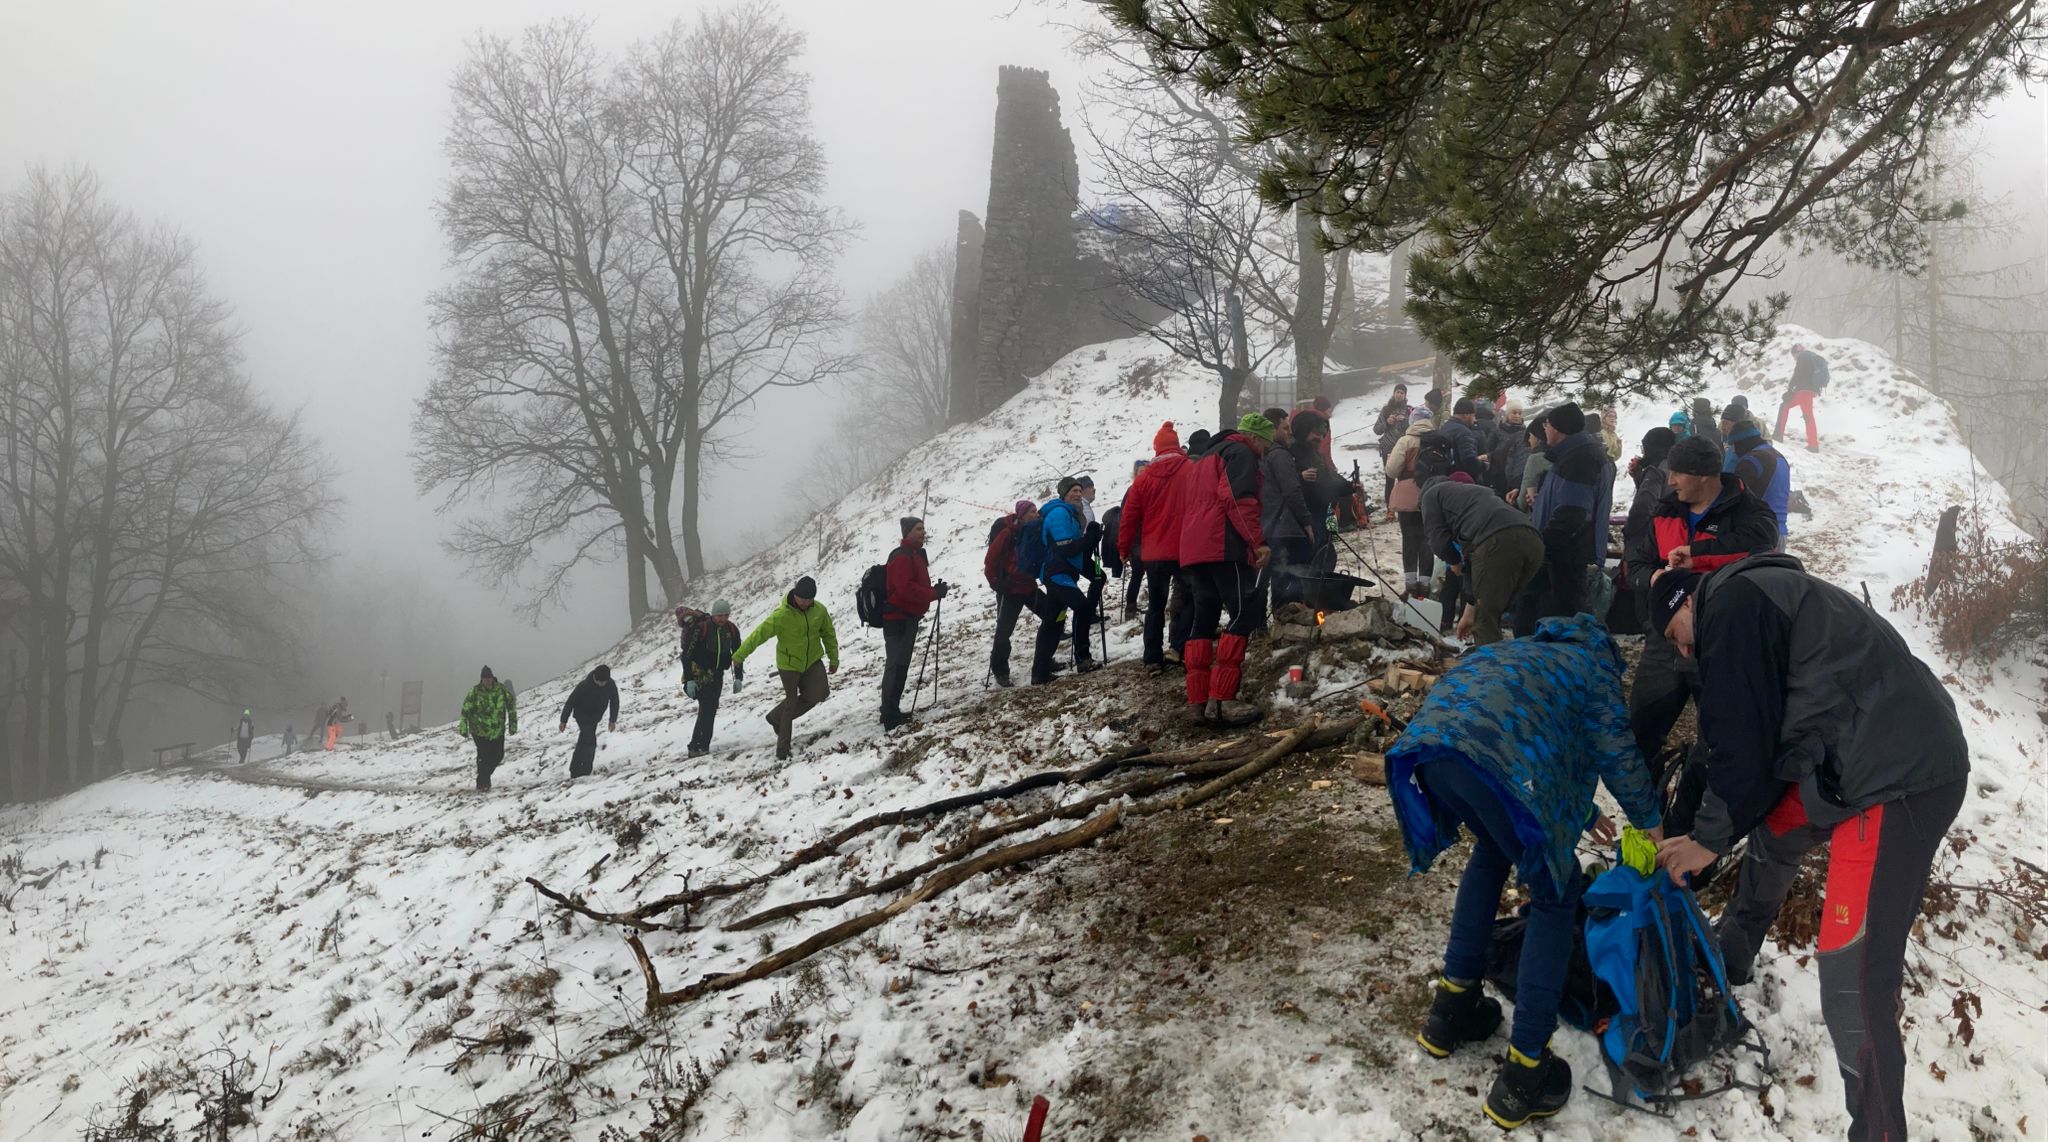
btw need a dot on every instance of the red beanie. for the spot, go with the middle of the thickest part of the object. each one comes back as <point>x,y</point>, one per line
<point>1166,439</point>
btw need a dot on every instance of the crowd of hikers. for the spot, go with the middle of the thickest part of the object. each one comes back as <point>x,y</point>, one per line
<point>1817,725</point>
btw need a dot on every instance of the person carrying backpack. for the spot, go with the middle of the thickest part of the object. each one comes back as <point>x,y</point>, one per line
<point>1764,472</point>
<point>1510,744</point>
<point>593,699</point>
<point>1223,549</point>
<point>291,741</point>
<point>707,646</point>
<point>1821,727</point>
<point>489,715</point>
<point>1405,501</point>
<point>1809,380</point>
<point>1150,524</point>
<point>337,716</point>
<point>1068,539</point>
<point>1571,511</point>
<point>1016,589</point>
<point>245,735</point>
<point>910,593</point>
<point>804,642</point>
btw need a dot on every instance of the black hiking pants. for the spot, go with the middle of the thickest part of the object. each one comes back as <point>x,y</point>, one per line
<point>1134,580</point>
<point>584,760</point>
<point>1075,602</point>
<point>242,746</point>
<point>709,690</point>
<point>1008,608</point>
<point>490,753</point>
<point>1220,587</point>
<point>1166,621</point>
<point>899,646</point>
<point>1878,864</point>
<point>1665,680</point>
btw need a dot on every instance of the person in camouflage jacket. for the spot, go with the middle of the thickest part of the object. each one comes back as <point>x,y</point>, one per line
<point>489,715</point>
<point>1510,743</point>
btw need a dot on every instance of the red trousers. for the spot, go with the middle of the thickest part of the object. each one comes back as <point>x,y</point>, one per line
<point>1803,401</point>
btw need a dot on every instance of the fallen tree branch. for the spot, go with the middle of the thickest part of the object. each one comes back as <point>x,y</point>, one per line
<point>934,885</point>
<point>1248,770</point>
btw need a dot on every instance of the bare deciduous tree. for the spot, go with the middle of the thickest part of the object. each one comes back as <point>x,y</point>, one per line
<point>903,387</point>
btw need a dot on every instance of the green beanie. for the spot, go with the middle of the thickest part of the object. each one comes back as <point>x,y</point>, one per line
<point>1252,424</point>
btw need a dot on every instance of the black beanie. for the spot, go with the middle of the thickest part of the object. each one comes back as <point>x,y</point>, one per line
<point>1568,418</point>
<point>1464,407</point>
<point>806,588</point>
<point>1657,444</point>
<point>1669,593</point>
<point>908,524</point>
<point>1694,457</point>
<point>602,674</point>
<point>487,674</point>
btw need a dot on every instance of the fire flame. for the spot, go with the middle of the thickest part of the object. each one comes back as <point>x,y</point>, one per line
<point>1319,618</point>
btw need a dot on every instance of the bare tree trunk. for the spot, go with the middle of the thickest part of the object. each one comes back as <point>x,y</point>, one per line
<point>1397,282</point>
<point>1311,340</point>
<point>693,472</point>
<point>1240,362</point>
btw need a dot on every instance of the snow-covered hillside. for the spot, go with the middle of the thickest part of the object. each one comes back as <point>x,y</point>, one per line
<point>358,928</point>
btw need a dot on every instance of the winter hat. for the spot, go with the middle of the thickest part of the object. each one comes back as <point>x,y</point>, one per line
<point>1701,406</point>
<point>806,588</point>
<point>1569,418</point>
<point>1166,439</point>
<point>1463,407</point>
<point>1084,480</point>
<point>1461,477</point>
<point>1668,595</point>
<point>1512,407</point>
<point>1253,424</point>
<point>1422,418</point>
<point>1066,484</point>
<point>1023,506</point>
<point>720,607</point>
<point>1198,440</point>
<point>1325,404</point>
<point>1695,457</point>
<point>1657,445</point>
<point>1679,418</point>
<point>487,674</point>
<point>602,674</point>
<point>1735,413</point>
<point>909,524</point>
<point>1744,429</point>
<point>1739,400</point>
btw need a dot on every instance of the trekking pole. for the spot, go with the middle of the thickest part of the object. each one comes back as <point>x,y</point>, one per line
<point>1439,643</point>
<point>926,658</point>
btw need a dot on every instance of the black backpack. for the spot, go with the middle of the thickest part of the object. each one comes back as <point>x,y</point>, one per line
<point>872,595</point>
<point>1434,456</point>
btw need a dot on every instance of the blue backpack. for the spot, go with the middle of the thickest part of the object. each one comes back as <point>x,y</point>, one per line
<point>1651,950</point>
<point>1031,552</point>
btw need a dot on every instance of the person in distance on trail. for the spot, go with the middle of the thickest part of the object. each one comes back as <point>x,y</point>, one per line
<point>804,641</point>
<point>1068,540</point>
<point>1535,463</point>
<point>910,594</point>
<point>1390,426</point>
<point>594,699</point>
<point>337,715</point>
<point>1764,473</point>
<point>1222,549</point>
<point>1151,525</point>
<point>1405,501</point>
<point>1703,520</point>
<point>1011,570</point>
<point>1509,744</point>
<point>1571,511</point>
<point>1284,513</point>
<point>489,716</point>
<point>1502,550</point>
<point>245,734</point>
<point>708,643</point>
<point>291,741</point>
<point>1820,727</point>
<point>1706,423</point>
<point>1809,380</point>
<point>1609,437</point>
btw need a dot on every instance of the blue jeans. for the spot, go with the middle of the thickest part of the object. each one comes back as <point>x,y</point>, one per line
<point>1553,915</point>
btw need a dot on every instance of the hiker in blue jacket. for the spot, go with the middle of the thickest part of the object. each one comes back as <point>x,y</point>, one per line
<point>1764,472</point>
<point>1069,538</point>
<point>1510,744</point>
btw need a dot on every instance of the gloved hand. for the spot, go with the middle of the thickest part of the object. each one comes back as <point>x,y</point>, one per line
<point>1117,571</point>
<point>940,588</point>
<point>1092,533</point>
<point>690,688</point>
<point>738,676</point>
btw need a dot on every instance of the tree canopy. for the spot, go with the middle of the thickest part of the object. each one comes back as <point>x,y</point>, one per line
<point>1588,181</point>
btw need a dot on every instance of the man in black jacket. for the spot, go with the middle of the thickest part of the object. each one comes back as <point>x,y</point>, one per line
<point>707,645</point>
<point>1462,431</point>
<point>1821,727</point>
<point>1704,520</point>
<point>593,698</point>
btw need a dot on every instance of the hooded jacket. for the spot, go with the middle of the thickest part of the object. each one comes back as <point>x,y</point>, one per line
<point>1283,501</point>
<point>1510,452</point>
<point>592,701</point>
<point>1067,542</point>
<point>1803,685</point>
<point>1407,494</point>
<point>1220,504</point>
<point>489,712</point>
<point>801,637</point>
<point>1466,445</point>
<point>1735,525</point>
<point>1466,514</point>
<point>1764,472</point>
<point>907,576</point>
<point>1809,373</point>
<point>1540,719</point>
<point>1577,494</point>
<point>1151,516</point>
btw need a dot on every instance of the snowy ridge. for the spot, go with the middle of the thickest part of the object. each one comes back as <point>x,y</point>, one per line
<point>356,923</point>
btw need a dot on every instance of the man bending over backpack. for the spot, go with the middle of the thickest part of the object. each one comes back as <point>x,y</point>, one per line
<point>1509,744</point>
<point>1821,728</point>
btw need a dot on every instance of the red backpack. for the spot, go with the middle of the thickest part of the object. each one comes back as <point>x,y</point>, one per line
<point>1001,560</point>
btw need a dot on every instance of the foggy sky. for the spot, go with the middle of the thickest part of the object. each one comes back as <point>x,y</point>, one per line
<point>300,145</point>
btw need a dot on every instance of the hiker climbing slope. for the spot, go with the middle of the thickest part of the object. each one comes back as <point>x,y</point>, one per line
<point>910,592</point>
<point>707,643</point>
<point>1509,744</point>
<point>1821,728</point>
<point>489,715</point>
<point>594,699</point>
<point>1809,379</point>
<point>804,644</point>
<point>245,734</point>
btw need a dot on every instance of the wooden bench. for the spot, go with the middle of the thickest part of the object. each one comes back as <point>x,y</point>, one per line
<point>183,750</point>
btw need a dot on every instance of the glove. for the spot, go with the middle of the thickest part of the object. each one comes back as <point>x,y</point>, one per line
<point>690,687</point>
<point>939,590</point>
<point>1092,533</point>
<point>738,677</point>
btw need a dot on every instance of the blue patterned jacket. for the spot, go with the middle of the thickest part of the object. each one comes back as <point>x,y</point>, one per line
<point>1541,719</point>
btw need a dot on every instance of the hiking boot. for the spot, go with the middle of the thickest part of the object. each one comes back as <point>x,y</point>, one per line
<point>1087,666</point>
<point>1457,1018</point>
<point>1170,657</point>
<point>1154,669</point>
<point>698,750</point>
<point>1523,1092</point>
<point>1230,713</point>
<point>1003,680</point>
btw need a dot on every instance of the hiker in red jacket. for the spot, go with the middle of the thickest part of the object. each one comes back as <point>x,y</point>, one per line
<point>1016,588</point>
<point>1222,549</point>
<point>910,594</point>
<point>1151,522</point>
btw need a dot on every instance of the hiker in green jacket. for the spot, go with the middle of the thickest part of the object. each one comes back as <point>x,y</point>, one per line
<point>489,714</point>
<point>804,643</point>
